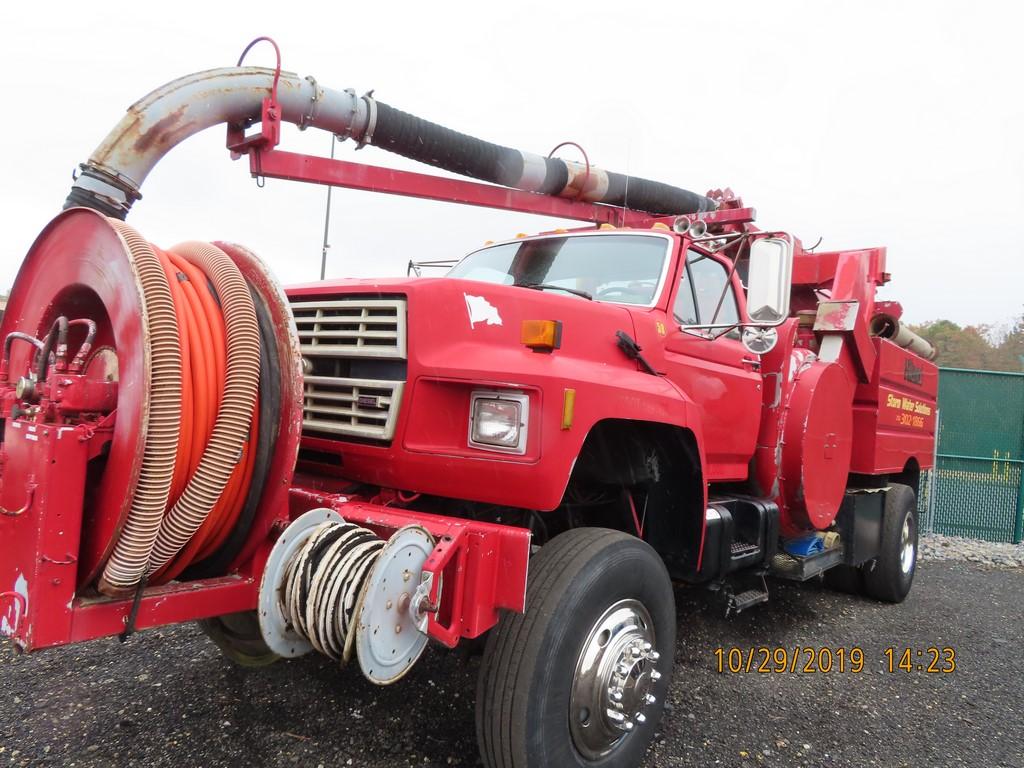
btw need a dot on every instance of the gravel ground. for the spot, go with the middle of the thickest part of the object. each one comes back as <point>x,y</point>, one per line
<point>936,547</point>
<point>167,698</point>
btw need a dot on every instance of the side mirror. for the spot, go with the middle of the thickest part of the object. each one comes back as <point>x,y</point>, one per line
<point>770,280</point>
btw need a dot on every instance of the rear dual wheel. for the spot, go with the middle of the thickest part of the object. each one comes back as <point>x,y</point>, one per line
<point>580,679</point>
<point>889,576</point>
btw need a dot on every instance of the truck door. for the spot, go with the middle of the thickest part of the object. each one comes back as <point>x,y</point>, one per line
<point>712,367</point>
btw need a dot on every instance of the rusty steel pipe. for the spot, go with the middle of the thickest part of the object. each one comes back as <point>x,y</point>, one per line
<point>111,180</point>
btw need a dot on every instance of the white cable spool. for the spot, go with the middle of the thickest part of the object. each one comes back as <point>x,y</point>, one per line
<point>275,626</point>
<point>333,586</point>
<point>388,641</point>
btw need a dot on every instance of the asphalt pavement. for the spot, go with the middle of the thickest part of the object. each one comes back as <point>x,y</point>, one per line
<point>168,698</point>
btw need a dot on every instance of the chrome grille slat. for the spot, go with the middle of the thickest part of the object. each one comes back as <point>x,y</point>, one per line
<point>351,328</point>
<point>332,405</point>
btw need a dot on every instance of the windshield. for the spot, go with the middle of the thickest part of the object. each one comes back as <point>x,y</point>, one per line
<point>625,269</point>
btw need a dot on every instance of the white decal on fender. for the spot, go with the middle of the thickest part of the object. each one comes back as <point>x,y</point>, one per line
<point>481,311</point>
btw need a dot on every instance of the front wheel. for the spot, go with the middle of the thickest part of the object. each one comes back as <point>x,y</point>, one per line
<point>581,677</point>
<point>238,637</point>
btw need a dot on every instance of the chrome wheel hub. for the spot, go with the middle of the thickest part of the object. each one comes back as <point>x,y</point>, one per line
<point>614,678</point>
<point>907,548</point>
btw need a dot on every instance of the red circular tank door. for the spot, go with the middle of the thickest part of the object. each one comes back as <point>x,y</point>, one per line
<point>818,440</point>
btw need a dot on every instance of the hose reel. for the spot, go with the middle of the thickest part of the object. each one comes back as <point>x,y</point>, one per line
<point>332,586</point>
<point>176,338</point>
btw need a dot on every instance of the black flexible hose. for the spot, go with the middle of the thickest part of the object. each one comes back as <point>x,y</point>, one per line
<point>433,144</point>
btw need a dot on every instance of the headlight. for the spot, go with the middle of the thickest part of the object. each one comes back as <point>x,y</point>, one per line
<point>498,421</point>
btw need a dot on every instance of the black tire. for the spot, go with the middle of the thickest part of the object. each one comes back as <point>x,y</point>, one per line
<point>238,637</point>
<point>885,577</point>
<point>530,661</point>
<point>845,578</point>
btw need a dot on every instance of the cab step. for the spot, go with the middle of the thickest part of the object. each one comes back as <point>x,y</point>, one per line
<point>740,602</point>
<point>756,592</point>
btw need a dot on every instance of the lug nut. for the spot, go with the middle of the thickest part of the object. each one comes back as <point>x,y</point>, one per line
<point>655,675</point>
<point>641,718</point>
<point>628,725</point>
<point>654,656</point>
<point>616,696</point>
<point>649,698</point>
<point>618,717</point>
<point>647,646</point>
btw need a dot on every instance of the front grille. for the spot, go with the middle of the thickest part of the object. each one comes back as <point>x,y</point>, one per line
<point>347,344</point>
<point>352,327</point>
<point>358,407</point>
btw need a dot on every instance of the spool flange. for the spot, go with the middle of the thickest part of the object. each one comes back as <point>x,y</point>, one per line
<point>387,640</point>
<point>274,626</point>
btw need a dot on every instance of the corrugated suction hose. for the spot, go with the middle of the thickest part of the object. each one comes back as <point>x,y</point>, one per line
<point>202,355</point>
<point>130,558</point>
<point>231,428</point>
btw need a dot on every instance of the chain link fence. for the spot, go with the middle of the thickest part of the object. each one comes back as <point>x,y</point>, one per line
<point>976,488</point>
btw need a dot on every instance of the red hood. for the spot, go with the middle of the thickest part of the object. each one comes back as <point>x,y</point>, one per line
<point>476,326</point>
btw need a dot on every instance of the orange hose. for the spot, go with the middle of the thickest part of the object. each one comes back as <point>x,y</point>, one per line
<point>234,509</point>
<point>222,518</point>
<point>206,382</point>
<point>182,461</point>
<point>203,337</point>
<point>211,308</point>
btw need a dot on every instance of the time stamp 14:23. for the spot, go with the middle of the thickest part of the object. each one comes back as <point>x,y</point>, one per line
<point>798,659</point>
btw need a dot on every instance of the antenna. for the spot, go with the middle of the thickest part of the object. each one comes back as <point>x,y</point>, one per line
<point>625,195</point>
<point>327,222</point>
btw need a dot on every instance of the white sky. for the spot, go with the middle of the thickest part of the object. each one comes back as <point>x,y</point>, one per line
<point>897,124</point>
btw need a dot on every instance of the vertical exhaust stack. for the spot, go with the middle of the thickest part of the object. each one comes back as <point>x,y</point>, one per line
<point>111,180</point>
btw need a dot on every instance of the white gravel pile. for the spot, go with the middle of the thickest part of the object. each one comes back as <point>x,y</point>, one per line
<point>936,547</point>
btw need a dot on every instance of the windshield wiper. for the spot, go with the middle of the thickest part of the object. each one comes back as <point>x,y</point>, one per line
<point>552,287</point>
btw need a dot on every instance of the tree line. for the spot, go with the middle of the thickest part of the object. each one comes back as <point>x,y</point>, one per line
<point>976,346</point>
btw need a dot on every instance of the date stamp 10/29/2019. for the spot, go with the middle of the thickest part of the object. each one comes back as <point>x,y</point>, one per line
<point>807,660</point>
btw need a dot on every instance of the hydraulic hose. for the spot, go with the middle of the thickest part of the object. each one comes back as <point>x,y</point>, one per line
<point>111,180</point>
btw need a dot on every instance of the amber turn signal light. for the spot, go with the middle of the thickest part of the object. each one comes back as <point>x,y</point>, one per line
<point>542,335</point>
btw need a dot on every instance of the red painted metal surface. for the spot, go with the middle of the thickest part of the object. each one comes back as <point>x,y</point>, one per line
<point>895,412</point>
<point>79,267</point>
<point>276,164</point>
<point>449,357</point>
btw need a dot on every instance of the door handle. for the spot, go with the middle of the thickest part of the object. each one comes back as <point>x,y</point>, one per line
<point>751,363</point>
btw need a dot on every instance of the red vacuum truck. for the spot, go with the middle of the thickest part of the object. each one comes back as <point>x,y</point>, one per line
<point>531,448</point>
